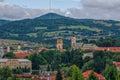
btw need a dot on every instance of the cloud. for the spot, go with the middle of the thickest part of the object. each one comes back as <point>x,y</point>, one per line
<point>104,4</point>
<point>97,9</point>
<point>15,12</point>
<point>92,9</point>
<point>1,0</point>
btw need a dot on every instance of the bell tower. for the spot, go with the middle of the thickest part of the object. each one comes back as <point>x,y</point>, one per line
<point>73,42</point>
<point>59,44</point>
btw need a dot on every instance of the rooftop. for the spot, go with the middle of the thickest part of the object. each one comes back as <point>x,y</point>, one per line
<point>20,60</point>
<point>21,55</point>
<point>87,73</point>
<point>117,64</point>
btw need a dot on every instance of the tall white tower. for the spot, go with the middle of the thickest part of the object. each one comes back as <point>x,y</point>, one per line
<point>73,42</point>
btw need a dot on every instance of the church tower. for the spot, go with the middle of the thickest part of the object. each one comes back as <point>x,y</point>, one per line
<point>8,49</point>
<point>59,44</point>
<point>73,42</point>
<point>19,48</point>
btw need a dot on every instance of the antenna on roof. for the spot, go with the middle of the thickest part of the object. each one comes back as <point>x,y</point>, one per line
<point>50,5</point>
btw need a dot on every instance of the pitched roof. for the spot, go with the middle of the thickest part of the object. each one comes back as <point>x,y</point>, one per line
<point>41,49</point>
<point>21,55</point>
<point>87,73</point>
<point>117,64</point>
<point>112,49</point>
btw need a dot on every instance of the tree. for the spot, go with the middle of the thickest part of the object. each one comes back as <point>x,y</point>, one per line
<point>88,66</point>
<point>110,72</point>
<point>59,75</point>
<point>76,73</point>
<point>5,73</point>
<point>118,75</point>
<point>9,55</point>
<point>86,59</point>
<point>99,61</point>
<point>48,68</point>
<point>37,60</point>
<point>17,71</point>
<point>92,76</point>
<point>77,58</point>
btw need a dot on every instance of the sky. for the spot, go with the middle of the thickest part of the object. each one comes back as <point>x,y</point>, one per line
<point>45,4</point>
<point>82,9</point>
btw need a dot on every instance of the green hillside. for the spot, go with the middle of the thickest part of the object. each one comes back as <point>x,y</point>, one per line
<point>49,27</point>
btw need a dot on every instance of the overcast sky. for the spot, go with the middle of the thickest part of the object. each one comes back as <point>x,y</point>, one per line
<point>90,9</point>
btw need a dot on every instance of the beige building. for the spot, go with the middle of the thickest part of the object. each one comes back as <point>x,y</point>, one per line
<point>73,42</point>
<point>15,63</point>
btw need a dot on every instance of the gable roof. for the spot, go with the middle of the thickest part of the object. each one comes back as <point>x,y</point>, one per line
<point>117,64</point>
<point>87,73</point>
<point>21,55</point>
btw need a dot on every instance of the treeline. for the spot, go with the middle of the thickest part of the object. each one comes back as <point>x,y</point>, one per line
<point>108,42</point>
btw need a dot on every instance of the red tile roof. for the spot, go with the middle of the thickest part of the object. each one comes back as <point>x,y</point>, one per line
<point>87,73</point>
<point>117,64</point>
<point>112,49</point>
<point>21,55</point>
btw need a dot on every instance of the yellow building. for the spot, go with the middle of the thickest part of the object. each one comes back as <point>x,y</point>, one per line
<point>60,44</point>
<point>73,42</point>
<point>15,63</point>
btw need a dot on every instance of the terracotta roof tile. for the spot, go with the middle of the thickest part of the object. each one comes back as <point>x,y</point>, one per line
<point>21,55</point>
<point>87,73</point>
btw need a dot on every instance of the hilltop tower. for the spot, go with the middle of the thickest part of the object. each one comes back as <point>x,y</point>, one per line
<point>59,44</point>
<point>73,42</point>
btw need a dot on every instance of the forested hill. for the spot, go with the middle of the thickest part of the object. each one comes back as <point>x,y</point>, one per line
<point>4,22</point>
<point>54,25</point>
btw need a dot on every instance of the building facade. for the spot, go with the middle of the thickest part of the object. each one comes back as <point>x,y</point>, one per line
<point>59,44</point>
<point>1,52</point>
<point>16,63</point>
<point>73,42</point>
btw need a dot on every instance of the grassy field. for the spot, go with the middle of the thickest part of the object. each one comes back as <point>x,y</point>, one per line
<point>32,34</point>
<point>11,41</point>
<point>40,28</point>
<point>60,32</point>
<point>15,35</point>
<point>79,27</point>
<point>103,23</point>
<point>117,24</point>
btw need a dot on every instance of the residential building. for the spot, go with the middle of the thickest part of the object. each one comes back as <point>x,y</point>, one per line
<point>1,52</point>
<point>111,49</point>
<point>87,73</point>
<point>16,63</point>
